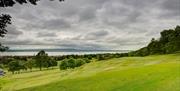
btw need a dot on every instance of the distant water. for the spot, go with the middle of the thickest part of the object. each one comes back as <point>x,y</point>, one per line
<point>31,53</point>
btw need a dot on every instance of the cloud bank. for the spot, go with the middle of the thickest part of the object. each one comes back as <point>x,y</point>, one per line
<point>90,24</point>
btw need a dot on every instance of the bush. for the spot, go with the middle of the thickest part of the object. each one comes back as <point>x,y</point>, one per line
<point>72,63</point>
<point>63,65</point>
<point>80,62</point>
<point>87,60</point>
<point>53,63</point>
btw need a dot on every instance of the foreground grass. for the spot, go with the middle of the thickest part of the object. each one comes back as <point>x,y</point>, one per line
<point>152,73</point>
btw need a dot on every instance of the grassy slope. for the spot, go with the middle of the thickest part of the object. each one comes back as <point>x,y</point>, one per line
<point>152,73</point>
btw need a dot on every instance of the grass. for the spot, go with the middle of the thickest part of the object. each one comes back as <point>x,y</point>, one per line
<point>152,73</point>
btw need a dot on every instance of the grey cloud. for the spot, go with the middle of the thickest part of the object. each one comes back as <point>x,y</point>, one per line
<point>173,5</point>
<point>77,44</point>
<point>129,41</point>
<point>120,15</point>
<point>92,35</point>
<point>87,46</point>
<point>17,42</point>
<point>54,24</point>
<point>96,35</point>
<point>46,34</point>
<point>87,14</point>
<point>12,31</point>
<point>142,5</point>
<point>24,42</point>
<point>170,8</point>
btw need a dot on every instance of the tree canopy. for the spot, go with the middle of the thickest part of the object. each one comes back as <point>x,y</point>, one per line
<point>10,3</point>
<point>169,42</point>
<point>4,21</point>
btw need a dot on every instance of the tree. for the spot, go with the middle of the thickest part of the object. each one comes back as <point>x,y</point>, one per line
<point>46,63</point>
<point>4,20</point>
<point>22,65</point>
<point>10,3</point>
<point>41,59</point>
<point>13,66</point>
<point>100,57</point>
<point>169,42</point>
<point>53,63</point>
<point>1,66</point>
<point>29,64</point>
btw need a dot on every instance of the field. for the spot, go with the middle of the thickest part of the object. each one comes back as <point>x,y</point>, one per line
<point>151,73</point>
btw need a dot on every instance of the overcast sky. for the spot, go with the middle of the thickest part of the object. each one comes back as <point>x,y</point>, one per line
<point>90,24</point>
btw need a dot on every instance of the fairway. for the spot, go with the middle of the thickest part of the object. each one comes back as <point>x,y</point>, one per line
<point>151,73</point>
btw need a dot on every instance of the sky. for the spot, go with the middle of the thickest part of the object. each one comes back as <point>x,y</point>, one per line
<point>89,24</point>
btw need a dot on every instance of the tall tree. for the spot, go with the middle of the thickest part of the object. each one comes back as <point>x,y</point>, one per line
<point>4,20</point>
<point>41,59</point>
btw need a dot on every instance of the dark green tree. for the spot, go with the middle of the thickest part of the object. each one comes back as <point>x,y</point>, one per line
<point>10,3</point>
<point>53,63</point>
<point>41,59</point>
<point>13,66</point>
<point>169,42</point>
<point>22,65</point>
<point>30,64</point>
<point>4,21</point>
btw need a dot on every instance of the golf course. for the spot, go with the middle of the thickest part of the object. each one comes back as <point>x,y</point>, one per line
<point>151,73</point>
<point>89,45</point>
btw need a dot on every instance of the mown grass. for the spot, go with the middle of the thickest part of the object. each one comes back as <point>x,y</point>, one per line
<point>152,73</point>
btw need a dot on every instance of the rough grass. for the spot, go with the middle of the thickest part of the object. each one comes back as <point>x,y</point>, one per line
<point>152,73</point>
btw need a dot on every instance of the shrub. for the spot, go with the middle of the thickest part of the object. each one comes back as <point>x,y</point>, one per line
<point>72,63</point>
<point>80,62</point>
<point>87,60</point>
<point>63,65</point>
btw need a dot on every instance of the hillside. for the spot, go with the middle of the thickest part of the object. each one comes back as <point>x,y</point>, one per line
<point>151,73</point>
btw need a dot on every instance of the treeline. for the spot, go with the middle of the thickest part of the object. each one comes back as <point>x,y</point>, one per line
<point>7,59</point>
<point>169,42</point>
<point>41,60</point>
